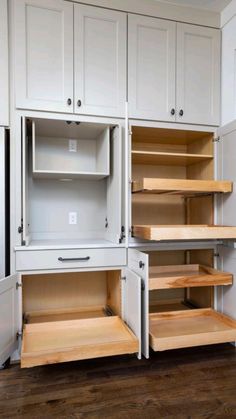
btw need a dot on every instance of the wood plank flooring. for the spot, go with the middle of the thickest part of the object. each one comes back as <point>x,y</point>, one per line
<point>189,383</point>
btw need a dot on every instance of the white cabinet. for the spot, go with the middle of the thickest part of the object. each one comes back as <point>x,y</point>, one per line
<point>229,71</point>
<point>198,75</point>
<point>4,87</point>
<point>2,202</point>
<point>151,68</point>
<point>44,55</point>
<point>174,71</point>
<point>100,61</point>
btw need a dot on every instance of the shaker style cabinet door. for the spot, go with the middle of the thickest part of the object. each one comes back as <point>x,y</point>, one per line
<point>44,55</point>
<point>198,75</point>
<point>100,61</point>
<point>151,46</point>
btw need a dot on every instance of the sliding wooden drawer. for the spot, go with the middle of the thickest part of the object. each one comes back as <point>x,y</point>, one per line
<point>182,329</point>
<point>186,276</point>
<point>183,232</point>
<point>62,341</point>
<point>29,260</point>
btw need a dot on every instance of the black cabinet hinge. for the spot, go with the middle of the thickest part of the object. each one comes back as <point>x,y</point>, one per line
<point>18,335</point>
<point>216,140</point>
<point>20,229</point>
<point>18,285</point>
<point>122,234</point>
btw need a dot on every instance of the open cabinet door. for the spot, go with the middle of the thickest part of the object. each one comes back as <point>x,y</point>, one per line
<point>114,182</point>
<point>8,316</point>
<point>25,179</point>
<point>226,170</point>
<point>131,303</point>
<point>2,202</point>
<point>227,295</point>
<point>138,262</point>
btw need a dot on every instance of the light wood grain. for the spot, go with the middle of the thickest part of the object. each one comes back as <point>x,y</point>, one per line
<point>184,276</point>
<point>183,232</point>
<point>181,186</point>
<point>175,159</point>
<point>54,342</point>
<point>69,314</point>
<point>182,329</point>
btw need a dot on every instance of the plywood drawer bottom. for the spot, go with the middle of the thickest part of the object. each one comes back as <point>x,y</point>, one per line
<point>182,329</point>
<point>62,341</point>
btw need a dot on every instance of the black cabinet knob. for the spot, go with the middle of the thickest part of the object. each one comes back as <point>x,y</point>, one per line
<point>181,112</point>
<point>79,103</point>
<point>172,111</point>
<point>69,101</point>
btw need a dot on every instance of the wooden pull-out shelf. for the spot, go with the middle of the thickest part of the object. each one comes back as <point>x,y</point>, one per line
<point>181,186</point>
<point>61,341</point>
<point>172,159</point>
<point>183,232</point>
<point>185,276</point>
<point>182,329</point>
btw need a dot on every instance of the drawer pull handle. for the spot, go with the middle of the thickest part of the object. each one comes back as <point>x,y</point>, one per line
<point>74,259</point>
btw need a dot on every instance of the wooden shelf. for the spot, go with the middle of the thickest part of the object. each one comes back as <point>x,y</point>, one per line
<point>44,316</point>
<point>61,341</point>
<point>172,159</point>
<point>186,276</point>
<point>183,232</point>
<point>182,329</point>
<point>181,186</point>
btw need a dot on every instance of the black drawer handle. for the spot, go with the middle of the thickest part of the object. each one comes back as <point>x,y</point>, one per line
<point>74,259</point>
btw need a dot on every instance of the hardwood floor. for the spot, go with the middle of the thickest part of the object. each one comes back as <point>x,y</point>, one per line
<point>190,383</point>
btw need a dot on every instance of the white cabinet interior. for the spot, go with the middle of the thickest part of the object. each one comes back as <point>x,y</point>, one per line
<point>69,190</point>
<point>79,316</point>
<point>170,169</point>
<point>4,67</point>
<point>179,292</point>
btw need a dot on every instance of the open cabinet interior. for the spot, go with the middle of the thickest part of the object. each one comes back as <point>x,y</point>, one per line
<point>173,185</point>
<point>182,286</point>
<point>71,174</point>
<point>72,316</point>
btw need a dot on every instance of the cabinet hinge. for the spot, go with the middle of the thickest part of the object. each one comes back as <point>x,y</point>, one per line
<point>142,286</point>
<point>123,278</point>
<point>141,264</point>
<point>122,234</point>
<point>216,140</point>
<point>130,181</point>
<point>216,255</point>
<point>130,132</point>
<point>18,285</point>
<point>20,228</point>
<point>106,223</point>
<point>18,335</point>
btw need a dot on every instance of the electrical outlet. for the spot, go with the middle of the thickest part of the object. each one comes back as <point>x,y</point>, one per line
<point>72,217</point>
<point>73,146</point>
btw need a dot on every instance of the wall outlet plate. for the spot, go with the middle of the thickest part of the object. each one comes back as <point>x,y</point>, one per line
<point>73,146</point>
<point>72,218</point>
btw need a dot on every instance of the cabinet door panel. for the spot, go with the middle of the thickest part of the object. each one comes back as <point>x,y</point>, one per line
<point>2,202</point>
<point>8,317</point>
<point>131,292</point>
<point>198,74</point>
<point>44,54</point>
<point>138,262</point>
<point>4,100</point>
<point>100,61</point>
<point>151,68</point>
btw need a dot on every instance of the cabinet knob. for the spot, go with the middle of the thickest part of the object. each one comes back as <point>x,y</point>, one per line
<point>79,103</point>
<point>181,112</point>
<point>69,101</point>
<point>172,111</point>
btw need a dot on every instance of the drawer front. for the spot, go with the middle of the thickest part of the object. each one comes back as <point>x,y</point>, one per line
<point>69,259</point>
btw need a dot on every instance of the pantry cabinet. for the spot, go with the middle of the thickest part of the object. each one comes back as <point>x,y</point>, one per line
<point>4,68</point>
<point>61,69</point>
<point>151,68</point>
<point>100,61</point>
<point>174,71</point>
<point>44,55</point>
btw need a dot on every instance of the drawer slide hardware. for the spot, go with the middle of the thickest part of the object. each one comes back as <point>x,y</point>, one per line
<point>85,259</point>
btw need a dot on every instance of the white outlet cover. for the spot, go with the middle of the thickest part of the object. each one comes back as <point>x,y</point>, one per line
<point>73,146</point>
<point>72,218</point>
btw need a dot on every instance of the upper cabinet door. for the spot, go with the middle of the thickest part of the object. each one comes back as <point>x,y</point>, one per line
<point>100,61</point>
<point>4,100</point>
<point>198,75</point>
<point>151,72</point>
<point>44,55</point>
